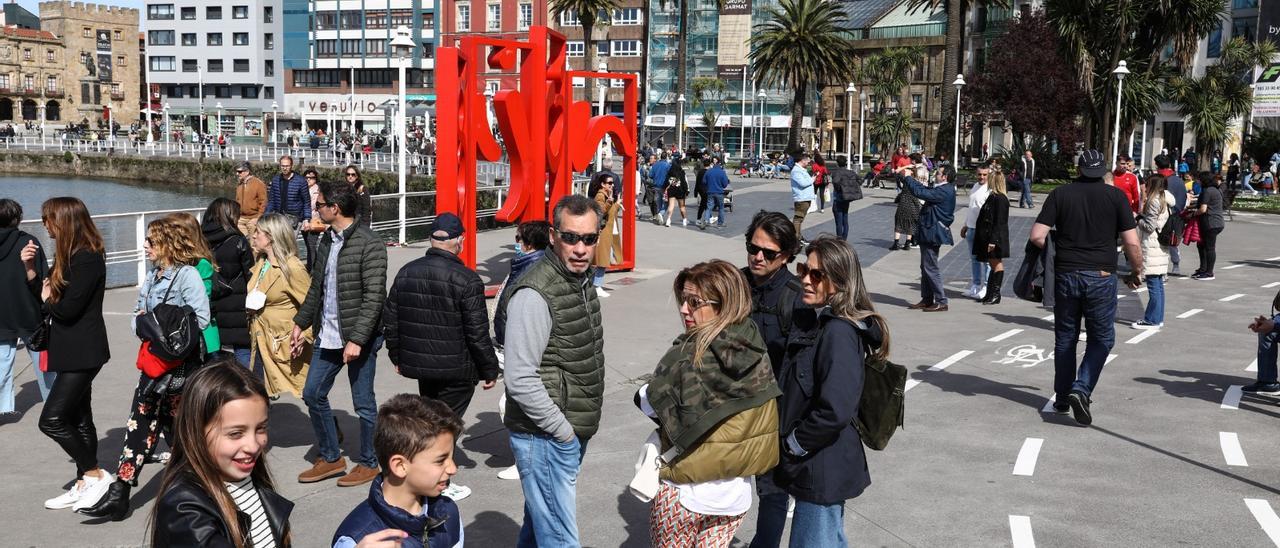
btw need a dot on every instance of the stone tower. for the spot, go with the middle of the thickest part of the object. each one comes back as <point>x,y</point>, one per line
<point>105,37</point>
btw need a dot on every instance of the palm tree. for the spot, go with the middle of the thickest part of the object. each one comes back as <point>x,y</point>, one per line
<point>1209,103</point>
<point>887,73</point>
<point>587,11</point>
<point>800,42</point>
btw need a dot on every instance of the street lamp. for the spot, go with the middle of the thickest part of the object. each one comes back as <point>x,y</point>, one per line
<point>1121,71</point>
<point>402,45</point>
<point>275,123</point>
<point>603,85</point>
<point>862,126</point>
<point>848,128</point>
<point>680,124</point>
<point>764,116</point>
<point>955,145</point>
<point>219,107</point>
<point>166,127</point>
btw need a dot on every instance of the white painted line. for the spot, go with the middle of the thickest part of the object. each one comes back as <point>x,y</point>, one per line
<point>1026,463</point>
<point>1266,516</point>
<point>1142,336</point>
<point>1004,335</point>
<point>1050,317</point>
<point>1234,266</point>
<point>1048,406</point>
<point>1231,450</point>
<point>1020,528</point>
<point>1231,400</point>
<point>1274,259</point>
<point>1271,285</point>
<point>1230,298</point>
<point>1190,313</point>
<point>951,360</point>
<point>1253,366</point>
<point>1140,289</point>
<point>1121,296</point>
<point>911,383</point>
<point>1110,357</point>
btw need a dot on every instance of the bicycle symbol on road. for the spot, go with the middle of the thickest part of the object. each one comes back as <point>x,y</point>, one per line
<point>1025,355</point>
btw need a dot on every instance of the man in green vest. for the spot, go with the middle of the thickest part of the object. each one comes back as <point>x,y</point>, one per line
<point>555,373</point>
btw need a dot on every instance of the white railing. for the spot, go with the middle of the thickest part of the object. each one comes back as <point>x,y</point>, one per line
<point>117,251</point>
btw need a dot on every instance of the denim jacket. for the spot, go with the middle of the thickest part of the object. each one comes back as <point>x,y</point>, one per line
<point>189,290</point>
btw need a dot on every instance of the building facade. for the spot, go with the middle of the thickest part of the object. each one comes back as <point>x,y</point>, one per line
<point>619,45</point>
<point>100,73</point>
<point>502,19</point>
<point>31,75</point>
<point>339,63</point>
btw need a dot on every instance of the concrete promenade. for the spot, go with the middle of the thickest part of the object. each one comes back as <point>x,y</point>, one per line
<point>1175,455</point>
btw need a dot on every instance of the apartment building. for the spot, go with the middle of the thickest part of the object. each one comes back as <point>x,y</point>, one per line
<point>618,42</point>
<point>504,19</point>
<point>31,75</point>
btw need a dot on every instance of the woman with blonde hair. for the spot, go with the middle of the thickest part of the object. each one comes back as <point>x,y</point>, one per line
<point>823,463</point>
<point>278,284</point>
<point>713,396</point>
<point>174,246</point>
<point>1155,260</point>
<point>991,238</point>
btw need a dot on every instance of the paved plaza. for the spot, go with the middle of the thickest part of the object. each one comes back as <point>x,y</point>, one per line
<point>1175,456</point>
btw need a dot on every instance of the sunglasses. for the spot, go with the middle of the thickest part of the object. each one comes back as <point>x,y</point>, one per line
<point>695,302</point>
<point>353,175</point>
<point>815,275</point>
<point>769,254</point>
<point>572,238</point>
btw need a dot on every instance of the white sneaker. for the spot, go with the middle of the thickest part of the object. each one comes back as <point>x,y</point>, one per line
<point>981,293</point>
<point>68,499</point>
<point>714,220</point>
<point>600,292</point>
<point>512,473</point>
<point>668,223</point>
<point>970,292</point>
<point>659,218</point>
<point>456,492</point>
<point>684,222</point>
<point>94,490</point>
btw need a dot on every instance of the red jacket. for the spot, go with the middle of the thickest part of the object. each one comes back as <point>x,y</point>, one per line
<point>1128,183</point>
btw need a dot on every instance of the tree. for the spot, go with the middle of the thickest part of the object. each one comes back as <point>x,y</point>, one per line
<point>708,95</point>
<point>588,12</point>
<point>800,43</point>
<point>887,74</point>
<point>1209,103</point>
<point>1028,84</point>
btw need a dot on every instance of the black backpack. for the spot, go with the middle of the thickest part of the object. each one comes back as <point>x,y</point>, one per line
<point>174,331</point>
<point>785,308</point>
<point>882,407</point>
<point>1171,232</point>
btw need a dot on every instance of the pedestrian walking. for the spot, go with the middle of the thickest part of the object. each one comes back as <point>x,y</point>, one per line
<point>364,204</point>
<point>821,378</point>
<point>700,186</point>
<point>991,237</point>
<point>610,246</point>
<point>932,232</point>
<point>1028,173</point>
<point>279,285</point>
<point>233,257</point>
<point>555,374</point>
<point>658,174</point>
<point>288,193</point>
<point>802,194</point>
<point>1175,187</point>
<point>820,181</point>
<point>1126,181</point>
<point>174,251</point>
<point>1156,211</point>
<point>1087,217</point>
<point>344,309</point>
<point>1209,214</point>
<point>77,347</point>
<point>677,191</point>
<point>846,187</point>
<point>717,185</point>
<point>714,398</point>
<point>979,270</point>
<point>312,228</point>
<point>251,194</point>
<point>20,291</point>
<point>436,325</point>
<point>188,224</point>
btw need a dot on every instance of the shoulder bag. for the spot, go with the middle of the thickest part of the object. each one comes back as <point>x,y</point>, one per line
<point>172,330</point>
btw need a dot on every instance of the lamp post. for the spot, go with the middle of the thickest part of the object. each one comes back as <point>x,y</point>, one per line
<point>848,128</point>
<point>1121,71</point>
<point>275,123</point>
<point>764,117</point>
<point>402,46</point>
<point>862,126</point>
<point>603,85</point>
<point>166,127</point>
<point>200,78</point>
<point>146,76</point>
<point>680,124</point>
<point>111,126</point>
<point>218,106</point>
<point>955,145</point>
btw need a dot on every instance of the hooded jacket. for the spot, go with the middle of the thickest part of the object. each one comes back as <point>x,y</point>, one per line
<point>226,300</point>
<point>21,312</point>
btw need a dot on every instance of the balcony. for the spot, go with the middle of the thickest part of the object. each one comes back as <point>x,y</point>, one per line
<point>117,96</point>
<point>54,93</point>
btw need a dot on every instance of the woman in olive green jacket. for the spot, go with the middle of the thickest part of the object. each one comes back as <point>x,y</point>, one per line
<point>713,396</point>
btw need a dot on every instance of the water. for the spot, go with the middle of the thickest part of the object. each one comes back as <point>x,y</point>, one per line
<point>105,197</point>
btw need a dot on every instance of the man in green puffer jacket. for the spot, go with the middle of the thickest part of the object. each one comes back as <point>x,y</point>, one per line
<point>344,308</point>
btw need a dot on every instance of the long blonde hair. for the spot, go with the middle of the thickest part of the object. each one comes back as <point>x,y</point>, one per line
<point>283,244</point>
<point>723,283</point>
<point>851,300</point>
<point>176,240</point>
<point>996,182</point>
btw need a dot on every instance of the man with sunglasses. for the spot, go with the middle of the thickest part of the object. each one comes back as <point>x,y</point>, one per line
<point>251,194</point>
<point>555,373</point>
<point>777,297</point>
<point>288,193</point>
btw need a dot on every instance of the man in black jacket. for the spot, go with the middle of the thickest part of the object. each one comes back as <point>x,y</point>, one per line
<point>846,186</point>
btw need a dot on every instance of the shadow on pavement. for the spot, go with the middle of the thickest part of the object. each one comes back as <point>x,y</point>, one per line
<point>489,437</point>
<point>1210,387</point>
<point>490,528</point>
<point>636,514</point>
<point>1035,323</point>
<point>1170,454</point>
<point>974,385</point>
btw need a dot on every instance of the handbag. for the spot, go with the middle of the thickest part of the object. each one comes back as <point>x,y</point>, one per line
<point>644,485</point>
<point>152,365</point>
<point>39,339</point>
<point>172,330</point>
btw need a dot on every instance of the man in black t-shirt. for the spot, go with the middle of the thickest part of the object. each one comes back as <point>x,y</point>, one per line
<point>1087,216</point>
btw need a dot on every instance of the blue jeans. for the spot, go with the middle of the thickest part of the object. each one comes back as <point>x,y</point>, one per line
<point>715,202</point>
<point>811,525</point>
<point>8,357</point>
<point>1267,354</point>
<point>1155,302</point>
<point>661,198</point>
<point>931,289</point>
<point>840,212</point>
<point>549,478</point>
<point>978,270</point>
<point>1025,199</point>
<point>325,365</point>
<point>1091,296</point>
<point>597,277</point>
<point>1175,258</point>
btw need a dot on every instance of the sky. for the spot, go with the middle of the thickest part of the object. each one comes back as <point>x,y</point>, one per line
<point>33,6</point>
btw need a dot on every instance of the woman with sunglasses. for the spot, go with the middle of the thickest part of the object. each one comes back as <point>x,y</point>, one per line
<point>822,463</point>
<point>313,228</point>
<point>713,396</point>
<point>364,204</point>
<point>602,189</point>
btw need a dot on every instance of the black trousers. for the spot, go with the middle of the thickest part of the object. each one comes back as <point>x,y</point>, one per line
<point>67,417</point>
<point>455,394</point>
<point>312,241</point>
<point>1208,248</point>
<point>702,204</point>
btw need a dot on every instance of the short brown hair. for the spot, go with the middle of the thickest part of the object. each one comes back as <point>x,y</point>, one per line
<point>408,423</point>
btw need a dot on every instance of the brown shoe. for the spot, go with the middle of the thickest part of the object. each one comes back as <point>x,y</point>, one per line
<point>936,308</point>
<point>920,305</point>
<point>323,470</point>
<point>359,475</point>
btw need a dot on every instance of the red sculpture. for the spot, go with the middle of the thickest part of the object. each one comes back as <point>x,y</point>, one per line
<point>548,135</point>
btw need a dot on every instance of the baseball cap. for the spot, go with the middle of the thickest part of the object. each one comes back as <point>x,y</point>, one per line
<point>243,166</point>
<point>449,224</point>
<point>1091,164</point>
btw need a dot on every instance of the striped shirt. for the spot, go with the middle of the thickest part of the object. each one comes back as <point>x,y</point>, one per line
<point>247,500</point>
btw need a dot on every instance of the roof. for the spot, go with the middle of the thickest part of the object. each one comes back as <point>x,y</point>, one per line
<point>862,13</point>
<point>902,16</point>
<point>15,32</point>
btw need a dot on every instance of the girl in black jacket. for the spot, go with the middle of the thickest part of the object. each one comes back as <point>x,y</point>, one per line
<point>991,235</point>
<point>234,258</point>
<point>822,460</point>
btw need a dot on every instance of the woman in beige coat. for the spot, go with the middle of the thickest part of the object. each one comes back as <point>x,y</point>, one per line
<point>282,281</point>
<point>602,190</point>
<point>1155,260</point>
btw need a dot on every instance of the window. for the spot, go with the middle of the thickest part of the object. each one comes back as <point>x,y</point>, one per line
<point>222,92</point>
<point>268,92</point>
<point>249,92</point>
<point>602,48</point>
<point>268,67</point>
<point>154,12</point>
<point>326,20</point>
<point>51,83</point>
<point>26,54</point>
<point>351,46</point>
<point>1244,28</point>
<point>617,83</point>
<point>162,64</point>
<point>268,14</point>
<point>4,81</point>
<point>213,12</point>
<point>381,78</point>
<point>375,20</point>
<point>173,92</point>
<point>569,18</point>
<point>917,103</point>
<point>120,60</point>
<point>579,82</point>
<point>352,19</point>
<point>190,65</point>
<point>240,38</point>
<point>213,39</point>
<point>428,21</point>
<point>323,78</point>
<point>428,50</point>
<point>575,48</point>
<point>525,20</point>
<point>115,35</point>
<point>626,48</point>
<point>463,22</point>
<point>493,21</point>
<point>188,38</point>
<point>49,56</point>
<point>160,38</point>
<point>188,14</point>
<point>215,65</point>
<point>268,41</point>
<point>1214,49</point>
<point>375,47</point>
<point>240,65</point>
<point>326,48</point>
<point>240,12</point>
<point>401,17</point>
<point>626,16</point>
<point>88,33</point>
<point>115,87</point>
